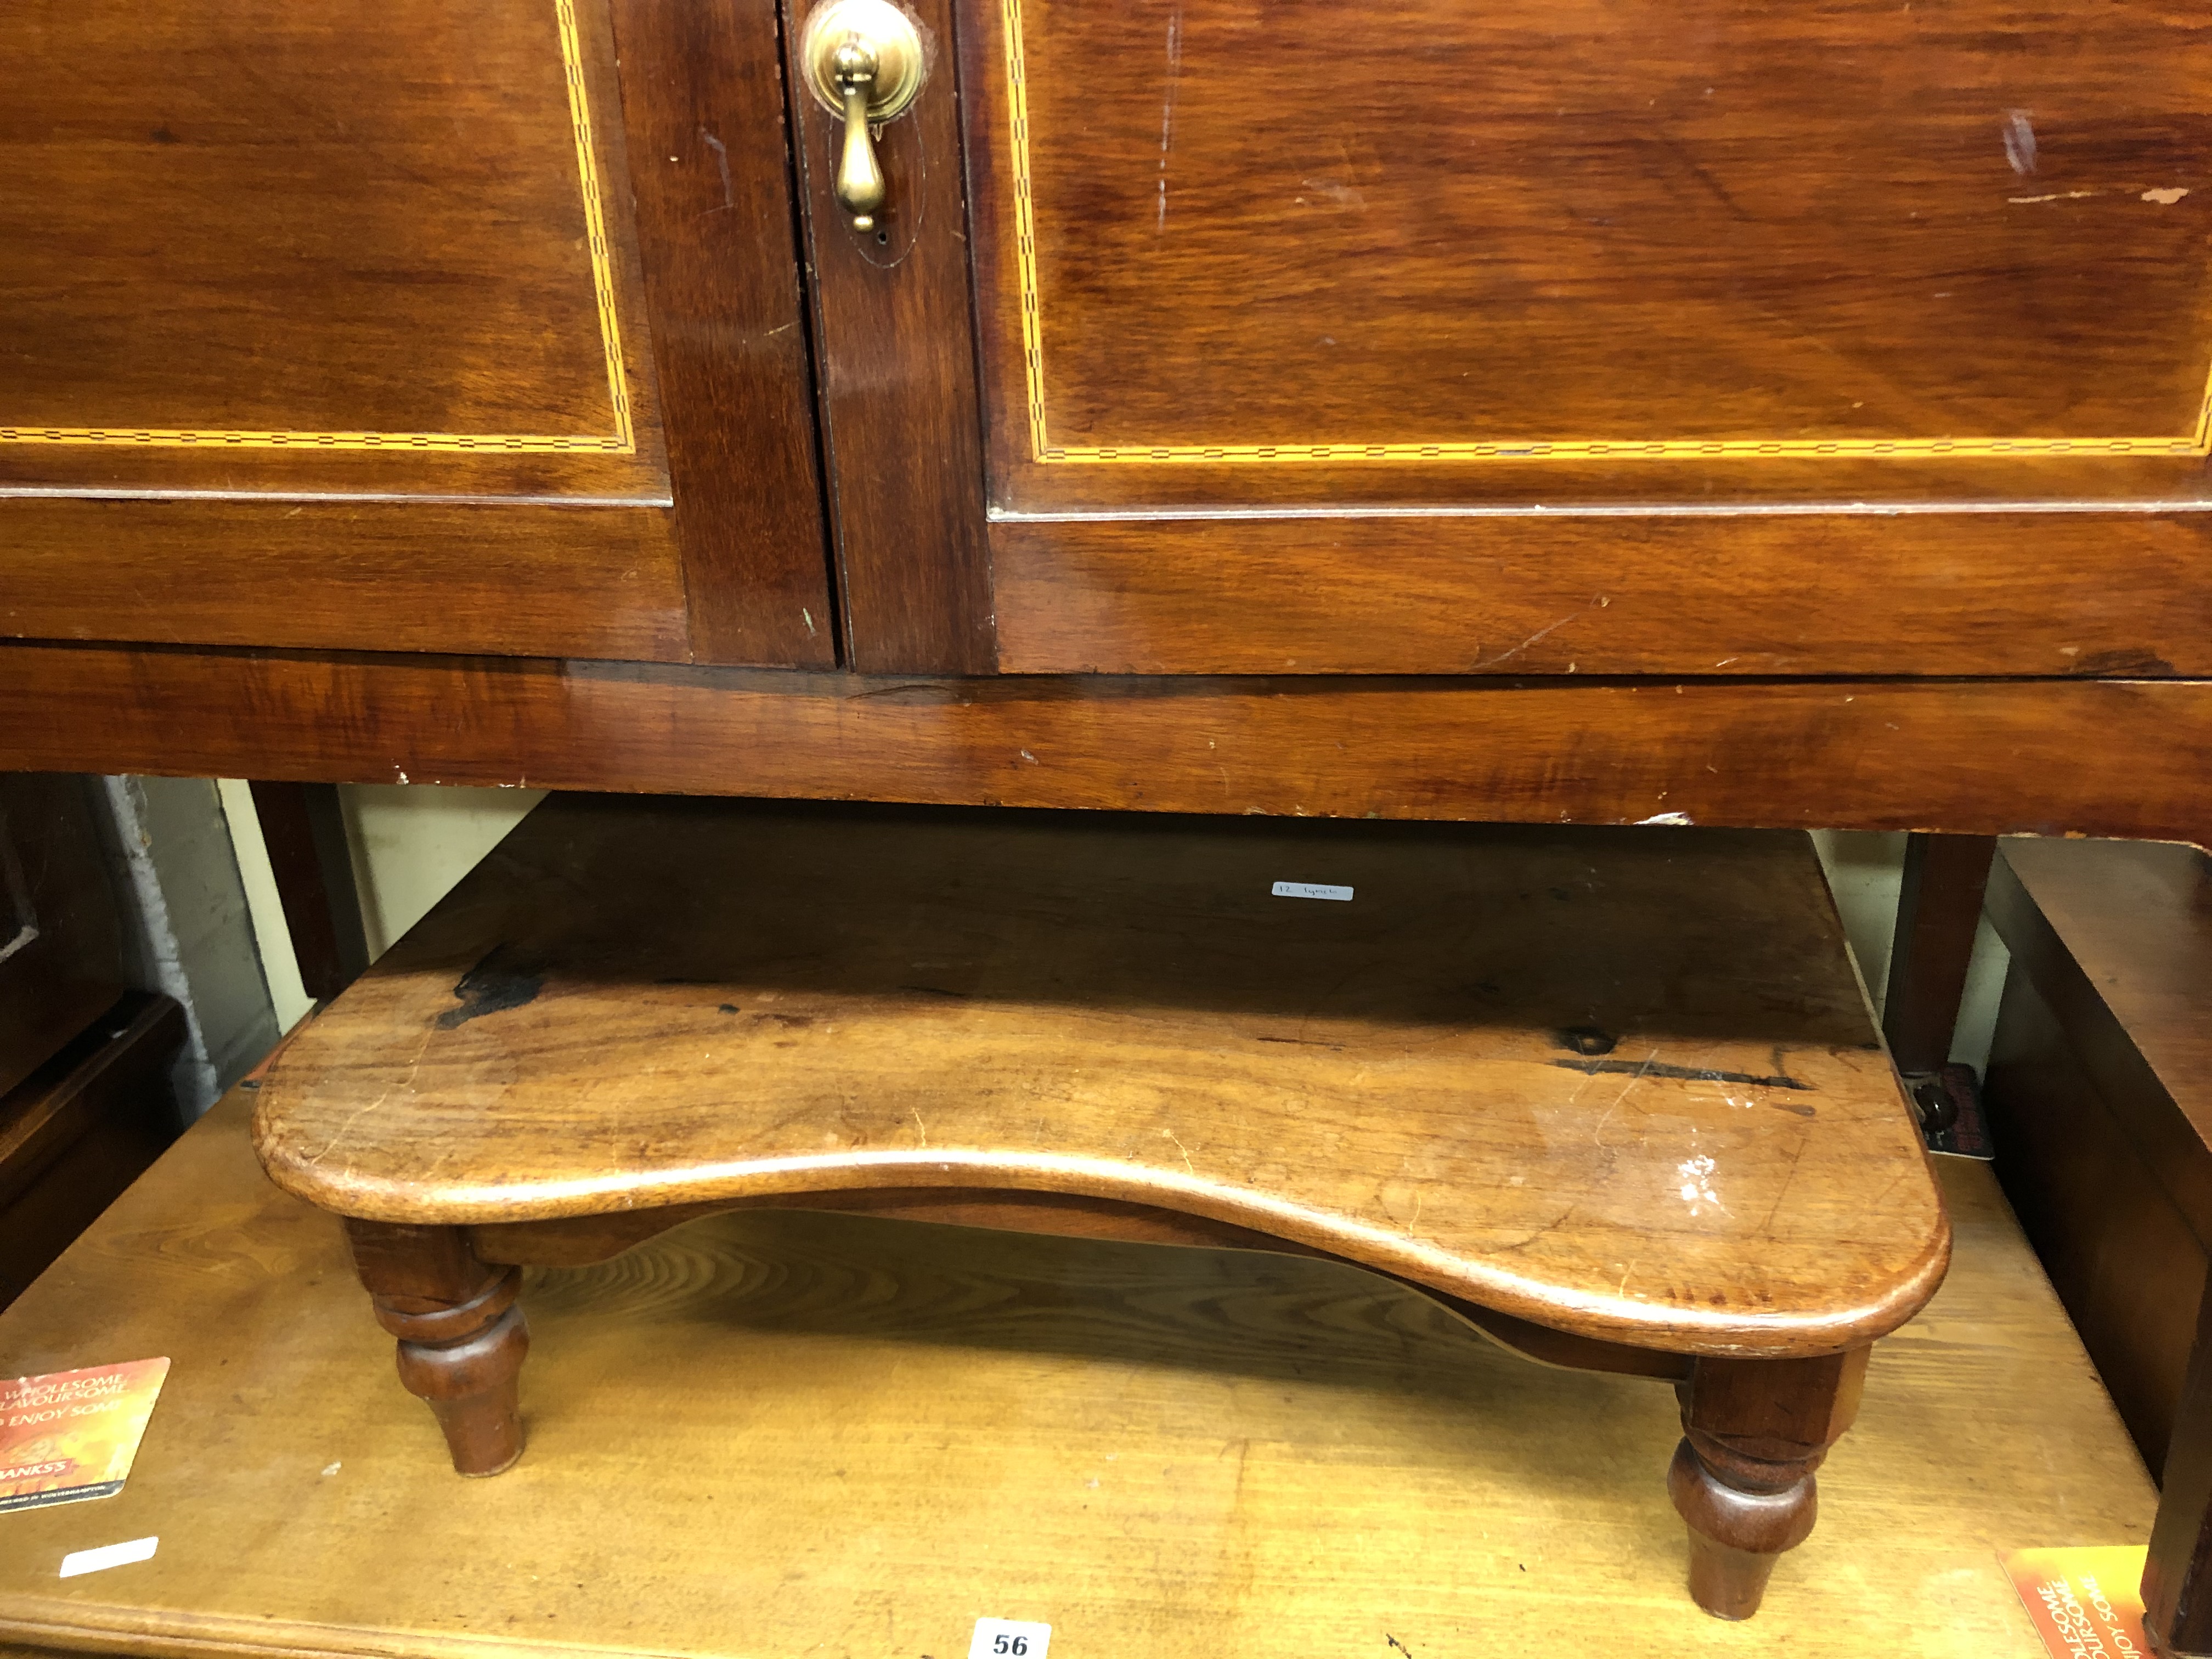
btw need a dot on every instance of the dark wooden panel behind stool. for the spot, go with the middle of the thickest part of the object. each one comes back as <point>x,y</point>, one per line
<point>82,1127</point>
<point>2095,1076</point>
<point>2098,1099</point>
<point>61,937</point>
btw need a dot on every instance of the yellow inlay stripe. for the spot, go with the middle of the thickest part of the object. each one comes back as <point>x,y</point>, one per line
<point>1626,449</point>
<point>621,441</point>
<point>179,438</point>
<point>1018,121</point>
<point>595,221</point>
<point>1043,449</point>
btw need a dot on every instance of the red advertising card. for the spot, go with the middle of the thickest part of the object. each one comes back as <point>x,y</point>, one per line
<point>71,1435</point>
<point>2086,1602</point>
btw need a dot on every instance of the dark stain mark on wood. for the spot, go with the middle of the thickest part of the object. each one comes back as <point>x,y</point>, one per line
<point>2138,661</point>
<point>1587,1040</point>
<point>1686,1074</point>
<point>499,982</point>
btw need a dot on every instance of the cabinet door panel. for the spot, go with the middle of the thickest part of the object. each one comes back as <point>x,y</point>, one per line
<point>340,247</point>
<point>1430,271</point>
<point>382,255</point>
<point>1475,245</point>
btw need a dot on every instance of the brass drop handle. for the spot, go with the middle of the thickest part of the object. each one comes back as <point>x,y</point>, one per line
<point>861,187</point>
<point>865,60</point>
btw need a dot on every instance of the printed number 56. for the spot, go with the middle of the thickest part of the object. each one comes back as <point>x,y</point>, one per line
<point>1015,1645</point>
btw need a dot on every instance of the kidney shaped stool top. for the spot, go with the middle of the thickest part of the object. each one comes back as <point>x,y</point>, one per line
<point>1614,1096</point>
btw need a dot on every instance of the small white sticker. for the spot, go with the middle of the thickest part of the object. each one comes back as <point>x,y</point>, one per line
<point>1009,1638</point>
<point>108,1555</point>
<point>1310,890</point>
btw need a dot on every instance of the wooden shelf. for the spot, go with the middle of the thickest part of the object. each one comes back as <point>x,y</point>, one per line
<point>770,1434</point>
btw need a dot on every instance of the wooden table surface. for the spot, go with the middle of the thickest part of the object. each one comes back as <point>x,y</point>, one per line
<point>776,1434</point>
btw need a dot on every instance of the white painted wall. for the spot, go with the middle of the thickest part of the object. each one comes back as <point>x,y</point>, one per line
<point>1865,872</point>
<point>184,936</point>
<point>409,843</point>
<point>279,966</point>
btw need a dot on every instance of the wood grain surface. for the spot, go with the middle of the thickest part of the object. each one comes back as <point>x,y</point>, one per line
<point>411,276</point>
<point>1939,913</point>
<point>2113,940</point>
<point>2094,1202</point>
<point>1591,338</point>
<point>1742,593</point>
<point>710,160</point>
<point>895,350</point>
<point>1588,223</point>
<point>1622,1084</point>
<point>82,1128</point>
<point>2096,1094</point>
<point>392,576</point>
<point>2038,757</point>
<point>769,1433</point>
<point>373,219</point>
<point>310,861</point>
<point>586,1241</point>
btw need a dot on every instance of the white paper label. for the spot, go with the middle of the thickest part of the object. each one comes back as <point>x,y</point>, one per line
<point>108,1555</point>
<point>1310,890</point>
<point>1009,1638</point>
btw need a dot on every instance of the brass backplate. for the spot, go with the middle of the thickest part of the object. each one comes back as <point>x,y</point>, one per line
<point>902,60</point>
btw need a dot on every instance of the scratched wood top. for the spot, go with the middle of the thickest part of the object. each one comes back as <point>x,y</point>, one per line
<point>1623,1083</point>
<point>772,1434</point>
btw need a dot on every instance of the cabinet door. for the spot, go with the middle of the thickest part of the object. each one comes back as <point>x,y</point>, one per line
<point>395,324</point>
<point>1592,336</point>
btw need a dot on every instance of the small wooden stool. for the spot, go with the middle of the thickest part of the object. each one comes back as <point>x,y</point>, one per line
<point>1614,1097</point>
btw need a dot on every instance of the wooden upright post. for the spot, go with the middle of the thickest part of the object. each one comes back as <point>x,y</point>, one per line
<point>305,832</point>
<point>1938,908</point>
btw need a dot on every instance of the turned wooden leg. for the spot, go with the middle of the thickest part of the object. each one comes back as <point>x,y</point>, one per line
<point>1753,1432</point>
<point>461,1335</point>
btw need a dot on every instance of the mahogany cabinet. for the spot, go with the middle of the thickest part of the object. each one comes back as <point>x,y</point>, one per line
<point>1602,411</point>
<point>1609,338</point>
